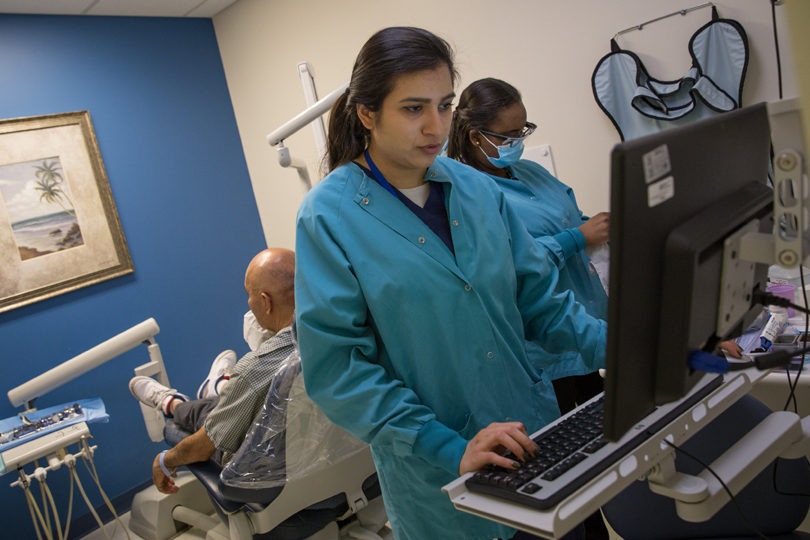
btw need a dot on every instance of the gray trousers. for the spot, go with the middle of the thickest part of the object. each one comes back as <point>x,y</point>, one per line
<point>190,416</point>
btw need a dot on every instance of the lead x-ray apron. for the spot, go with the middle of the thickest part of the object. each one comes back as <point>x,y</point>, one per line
<point>638,104</point>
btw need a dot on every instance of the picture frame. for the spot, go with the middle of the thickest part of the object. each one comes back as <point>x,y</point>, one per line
<point>59,227</point>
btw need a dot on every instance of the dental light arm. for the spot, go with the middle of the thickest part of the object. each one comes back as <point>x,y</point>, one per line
<point>28,392</point>
<point>312,114</point>
<point>285,160</point>
<point>311,96</point>
<point>304,118</point>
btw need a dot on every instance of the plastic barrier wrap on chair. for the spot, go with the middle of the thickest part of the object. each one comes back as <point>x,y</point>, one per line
<point>290,439</point>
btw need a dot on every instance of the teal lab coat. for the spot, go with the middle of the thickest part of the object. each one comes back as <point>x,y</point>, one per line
<point>415,350</point>
<point>549,210</point>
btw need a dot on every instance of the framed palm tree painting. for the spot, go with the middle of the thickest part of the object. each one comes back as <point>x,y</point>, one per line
<point>59,229</point>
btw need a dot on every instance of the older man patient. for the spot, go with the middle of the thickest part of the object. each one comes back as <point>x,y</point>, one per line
<point>221,418</point>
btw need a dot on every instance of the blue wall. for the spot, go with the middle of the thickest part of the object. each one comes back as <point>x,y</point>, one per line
<point>158,100</point>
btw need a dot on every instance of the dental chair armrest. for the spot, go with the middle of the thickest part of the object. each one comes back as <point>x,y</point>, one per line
<point>207,472</point>
<point>248,495</point>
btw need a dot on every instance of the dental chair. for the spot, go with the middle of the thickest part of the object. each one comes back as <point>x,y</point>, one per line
<point>296,476</point>
<point>773,504</point>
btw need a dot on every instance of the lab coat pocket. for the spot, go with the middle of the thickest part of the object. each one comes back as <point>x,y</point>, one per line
<point>542,387</point>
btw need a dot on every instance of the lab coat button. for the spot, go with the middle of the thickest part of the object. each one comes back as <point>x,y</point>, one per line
<point>455,223</point>
<point>365,200</point>
<point>421,240</point>
<point>490,355</point>
<point>467,287</point>
<point>532,197</point>
<point>433,175</point>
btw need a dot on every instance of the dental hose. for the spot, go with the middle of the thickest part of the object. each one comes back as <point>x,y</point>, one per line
<point>33,507</point>
<point>90,506</point>
<point>53,507</point>
<point>42,496</point>
<point>70,464</point>
<point>33,516</point>
<point>94,475</point>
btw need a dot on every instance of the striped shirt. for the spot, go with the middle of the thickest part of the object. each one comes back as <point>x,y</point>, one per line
<point>243,396</point>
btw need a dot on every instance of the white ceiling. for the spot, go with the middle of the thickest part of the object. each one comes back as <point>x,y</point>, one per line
<point>130,8</point>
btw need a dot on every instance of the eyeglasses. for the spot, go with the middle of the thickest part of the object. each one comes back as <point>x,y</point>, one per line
<point>527,130</point>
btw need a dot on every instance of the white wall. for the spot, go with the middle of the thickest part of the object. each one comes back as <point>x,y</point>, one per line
<point>547,49</point>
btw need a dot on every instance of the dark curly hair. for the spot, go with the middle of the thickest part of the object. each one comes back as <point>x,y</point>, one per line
<point>478,107</point>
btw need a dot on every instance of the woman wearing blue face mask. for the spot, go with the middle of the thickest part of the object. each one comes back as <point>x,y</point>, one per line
<point>489,129</point>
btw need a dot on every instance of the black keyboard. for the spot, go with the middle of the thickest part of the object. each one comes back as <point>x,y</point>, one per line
<point>562,446</point>
<point>572,452</point>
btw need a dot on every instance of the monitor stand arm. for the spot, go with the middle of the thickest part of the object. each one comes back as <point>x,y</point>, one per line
<point>699,497</point>
<point>789,243</point>
<point>665,480</point>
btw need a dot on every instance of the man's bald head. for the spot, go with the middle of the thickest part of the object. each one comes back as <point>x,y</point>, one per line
<point>269,280</point>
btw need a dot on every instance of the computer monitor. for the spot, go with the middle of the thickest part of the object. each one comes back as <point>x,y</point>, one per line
<point>676,196</point>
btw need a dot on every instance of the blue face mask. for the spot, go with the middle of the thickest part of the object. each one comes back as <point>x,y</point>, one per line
<point>444,147</point>
<point>508,155</point>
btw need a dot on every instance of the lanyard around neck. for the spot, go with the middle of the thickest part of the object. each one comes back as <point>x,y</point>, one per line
<point>379,176</point>
<point>385,183</point>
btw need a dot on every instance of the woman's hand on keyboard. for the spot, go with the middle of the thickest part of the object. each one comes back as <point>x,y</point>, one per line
<point>489,445</point>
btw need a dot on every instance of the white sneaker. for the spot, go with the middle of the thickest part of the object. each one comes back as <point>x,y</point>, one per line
<point>219,373</point>
<point>150,392</point>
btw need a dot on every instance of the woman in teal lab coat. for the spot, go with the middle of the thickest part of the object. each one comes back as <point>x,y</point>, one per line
<point>416,285</point>
<point>489,127</point>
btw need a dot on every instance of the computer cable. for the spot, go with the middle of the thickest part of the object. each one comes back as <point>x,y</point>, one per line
<point>776,46</point>
<point>769,299</point>
<point>745,519</point>
<point>766,299</point>
<point>793,383</point>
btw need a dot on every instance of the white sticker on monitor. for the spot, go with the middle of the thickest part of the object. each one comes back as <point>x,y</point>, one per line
<point>660,191</point>
<point>656,163</point>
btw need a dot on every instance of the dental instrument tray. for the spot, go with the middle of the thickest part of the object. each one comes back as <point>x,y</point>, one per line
<point>23,428</point>
<point>29,428</point>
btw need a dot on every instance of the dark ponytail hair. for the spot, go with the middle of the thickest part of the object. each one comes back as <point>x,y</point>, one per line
<point>388,53</point>
<point>478,107</point>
